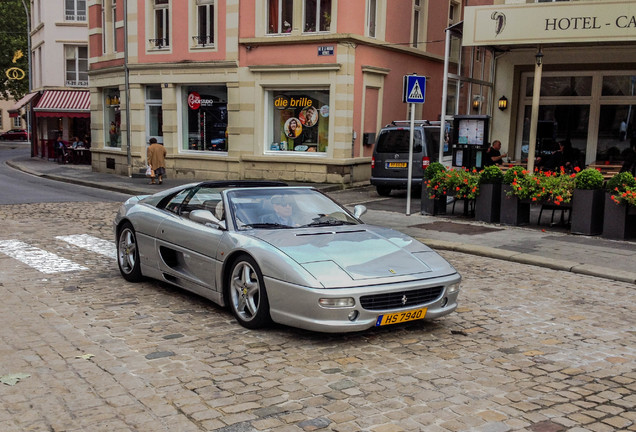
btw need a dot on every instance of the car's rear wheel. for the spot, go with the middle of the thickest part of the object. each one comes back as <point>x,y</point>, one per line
<point>128,254</point>
<point>384,191</point>
<point>247,295</point>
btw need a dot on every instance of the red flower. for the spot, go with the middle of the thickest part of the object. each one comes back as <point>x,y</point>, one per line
<point>577,169</point>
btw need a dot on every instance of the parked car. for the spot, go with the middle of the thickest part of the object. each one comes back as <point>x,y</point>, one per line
<point>389,168</point>
<point>14,135</point>
<point>286,254</point>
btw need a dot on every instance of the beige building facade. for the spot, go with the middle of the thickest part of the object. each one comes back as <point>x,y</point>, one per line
<point>284,90</point>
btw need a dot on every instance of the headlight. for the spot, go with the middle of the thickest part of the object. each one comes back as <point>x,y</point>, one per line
<point>345,302</point>
<point>452,288</point>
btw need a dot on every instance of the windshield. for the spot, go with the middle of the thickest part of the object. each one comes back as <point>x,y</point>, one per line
<point>397,141</point>
<point>284,208</point>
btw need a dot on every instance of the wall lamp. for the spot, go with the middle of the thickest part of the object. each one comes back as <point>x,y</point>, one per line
<point>539,57</point>
<point>476,103</point>
<point>502,103</point>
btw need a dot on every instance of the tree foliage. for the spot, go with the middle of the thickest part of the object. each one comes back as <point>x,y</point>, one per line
<point>13,41</point>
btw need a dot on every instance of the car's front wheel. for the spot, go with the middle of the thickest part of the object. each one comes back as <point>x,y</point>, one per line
<point>247,295</point>
<point>128,254</point>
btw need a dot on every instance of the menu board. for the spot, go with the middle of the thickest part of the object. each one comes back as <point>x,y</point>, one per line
<point>471,132</point>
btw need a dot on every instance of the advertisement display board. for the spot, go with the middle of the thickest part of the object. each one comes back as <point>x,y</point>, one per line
<point>470,140</point>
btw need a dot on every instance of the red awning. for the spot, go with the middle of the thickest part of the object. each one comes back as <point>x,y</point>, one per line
<point>64,103</point>
<point>13,111</point>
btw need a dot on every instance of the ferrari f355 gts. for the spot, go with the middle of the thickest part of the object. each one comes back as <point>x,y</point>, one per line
<point>286,254</point>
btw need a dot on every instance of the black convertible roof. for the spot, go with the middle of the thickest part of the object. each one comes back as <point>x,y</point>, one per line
<point>242,183</point>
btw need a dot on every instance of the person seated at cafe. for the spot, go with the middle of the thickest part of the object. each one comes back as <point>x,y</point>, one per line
<point>61,151</point>
<point>493,154</point>
<point>563,157</point>
<point>629,165</point>
<point>77,143</point>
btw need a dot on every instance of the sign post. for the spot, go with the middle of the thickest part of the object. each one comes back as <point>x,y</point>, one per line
<point>413,91</point>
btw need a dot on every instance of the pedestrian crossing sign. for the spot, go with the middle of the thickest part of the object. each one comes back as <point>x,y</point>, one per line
<point>414,89</point>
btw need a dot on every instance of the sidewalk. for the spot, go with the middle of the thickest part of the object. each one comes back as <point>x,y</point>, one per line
<point>608,259</point>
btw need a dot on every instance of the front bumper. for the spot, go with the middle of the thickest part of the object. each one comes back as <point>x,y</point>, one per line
<point>299,306</point>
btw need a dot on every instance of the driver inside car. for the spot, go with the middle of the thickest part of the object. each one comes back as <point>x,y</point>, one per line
<point>283,211</point>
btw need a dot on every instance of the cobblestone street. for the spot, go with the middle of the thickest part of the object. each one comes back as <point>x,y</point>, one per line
<point>528,349</point>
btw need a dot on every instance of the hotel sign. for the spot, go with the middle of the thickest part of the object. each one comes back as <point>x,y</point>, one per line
<point>546,23</point>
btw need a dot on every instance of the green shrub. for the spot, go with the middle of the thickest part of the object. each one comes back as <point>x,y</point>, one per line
<point>513,173</point>
<point>433,169</point>
<point>491,174</point>
<point>462,183</point>
<point>620,182</point>
<point>589,178</point>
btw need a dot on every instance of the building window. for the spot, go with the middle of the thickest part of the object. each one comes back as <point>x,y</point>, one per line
<point>17,122</point>
<point>1,120</point>
<point>372,12</point>
<point>154,113</point>
<point>76,66</point>
<point>280,16</point>
<point>205,23</point>
<point>205,118</point>
<point>112,118</point>
<point>162,24</point>
<point>317,15</point>
<point>417,10</point>
<point>300,121</point>
<point>75,10</point>
<point>453,13</point>
<point>114,16</point>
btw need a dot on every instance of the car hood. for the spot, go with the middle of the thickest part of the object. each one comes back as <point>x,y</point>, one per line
<point>334,255</point>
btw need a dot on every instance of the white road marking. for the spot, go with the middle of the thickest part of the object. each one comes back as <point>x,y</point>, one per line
<point>41,260</point>
<point>93,244</point>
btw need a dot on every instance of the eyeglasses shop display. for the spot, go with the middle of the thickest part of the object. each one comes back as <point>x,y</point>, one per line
<point>300,121</point>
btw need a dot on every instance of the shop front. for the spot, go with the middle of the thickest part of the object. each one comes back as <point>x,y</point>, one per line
<point>205,119</point>
<point>568,73</point>
<point>61,113</point>
<point>299,121</point>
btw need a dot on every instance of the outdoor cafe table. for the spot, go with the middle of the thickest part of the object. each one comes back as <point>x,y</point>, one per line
<point>80,155</point>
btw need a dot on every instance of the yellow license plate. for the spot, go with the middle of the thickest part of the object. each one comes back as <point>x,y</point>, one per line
<point>400,317</point>
<point>396,164</point>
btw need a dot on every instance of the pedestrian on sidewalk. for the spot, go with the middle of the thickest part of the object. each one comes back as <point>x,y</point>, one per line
<point>157,160</point>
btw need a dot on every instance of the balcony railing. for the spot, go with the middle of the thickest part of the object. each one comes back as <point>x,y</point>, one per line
<point>76,83</point>
<point>203,40</point>
<point>159,43</point>
<point>74,17</point>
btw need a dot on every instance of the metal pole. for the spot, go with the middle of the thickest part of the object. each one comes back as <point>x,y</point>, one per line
<point>410,163</point>
<point>442,125</point>
<point>534,116</point>
<point>127,90</point>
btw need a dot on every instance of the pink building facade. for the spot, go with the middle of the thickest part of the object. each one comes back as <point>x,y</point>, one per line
<point>258,89</point>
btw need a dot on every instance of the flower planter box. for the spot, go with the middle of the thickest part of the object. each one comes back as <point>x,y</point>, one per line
<point>513,210</point>
<point>432,206</point>
<point>619,220</point>
<point>488,203</point>
<point>587,211</point>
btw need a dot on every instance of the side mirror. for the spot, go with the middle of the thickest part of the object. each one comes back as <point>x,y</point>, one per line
<point>359,210</point>
<point>206,217</point>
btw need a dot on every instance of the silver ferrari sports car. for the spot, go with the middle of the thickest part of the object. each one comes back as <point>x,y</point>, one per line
<point>282,253</point>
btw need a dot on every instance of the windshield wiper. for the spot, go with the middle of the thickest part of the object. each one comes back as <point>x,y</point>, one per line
<point>266,225</point>
<point>329,222</point>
